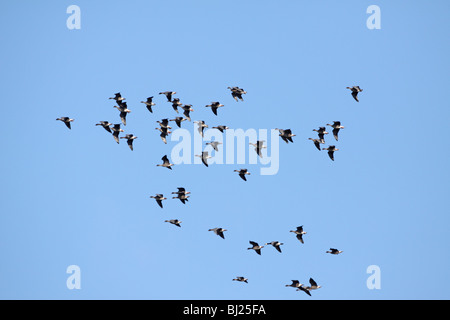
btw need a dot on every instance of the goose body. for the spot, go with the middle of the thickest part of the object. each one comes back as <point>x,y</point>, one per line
<point>116,130</point>
<point>66,121</point>
<point>259,145</point>
<point>336,127</point>
<point>182,194</point>
<point>242,173</point>
<point>321,132</point>
<point>123,112</point>
<point>331,150</point>
<point>187,108</point>
<point>175,104</point>
<point>334,251</point>
<point>118,97</point>
<point>106,125</point>
<point>313,285</point>
<point>317,143</point>
<point>204,156</point>
<point>276,245</point>
<point>241,279</point>
<point>214,144</point>
<point>174,221</point>
<point>178,121</point>
<point>219,232</point>
<point>294,284</point>
<point>355,90</point>
<point>299,233</point>
<point>201,126</point>
<point>255,246</point>
<point>286,135</point>
<point>166,163</point>
<point>237,93</point>
<point>168,95</point>
<point>130,138</point>
<point>149,104</point>
<point>214,106</point>
<point>221,128</point>
<point>159,198</point>
<point>164,133</point>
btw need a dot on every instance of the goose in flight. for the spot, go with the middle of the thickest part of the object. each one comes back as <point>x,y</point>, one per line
<point>164,133</point>
<point>123,112</point>
<point>237,93</point>
<point>182,196</point>
<point>331,150</point>
<point>214,144</point>
<point>334,251</point>
<point>201,126</point>
<point>221,128</point>
<point>116,130</point>
<point>242,173</point>
<point>355,90</point>
<point>276,245</point>
<point>159,198</point>
<point>66,121</point>
<point>166,163</point>
<point>259,145</point>
<point>168,95</point>
<point>178,121</point>
<point>316,143</point>
<point>241,279</point>
<point>175,104</point>
<point>118,97</point>
<point>219,232</point>
<point>294,284</point>
<point>214,106</point>
<point>313,285</point>
<point>174,221</point>
<point>255,246</point>
<point>106,125</point>
<point>286,135</point>
<point>130,139</point>
<point>181,190</point>
<point>187,109</point>
<point>304,289</point>
<point>149,103</point>
<point>164,123</point>
<point>299,233</point>
<point>205,156</point>
<point>321,132</point>
<point>336,127</point>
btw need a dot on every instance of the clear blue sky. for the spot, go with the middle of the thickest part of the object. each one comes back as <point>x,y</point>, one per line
<point>75,197</point>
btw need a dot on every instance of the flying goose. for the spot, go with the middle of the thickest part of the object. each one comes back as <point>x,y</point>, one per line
<point>256,247</point>
<point>241,279</point>
<point>130,139</point>
<point>331,150</point>
<point>116,130</point>
<point>259,145</point>
<point>294,284</point>
<point>219,231</point>
<point>336,127</point>
<point>286,135</point>
<point>166,163</point>
<point>168,95</point>
<point>316,143</point>
<point>242,173</point>
<point>123,112</point>
<point>178,121</point>
<point>214,144</point>
<point>159,198</point>
<point>105,125</point>
<point>181,190</point>
<point>182,196</point>
<point>355,90</point>
<point>174,221</point>
<point>149,103</point>
<point>299,232</point>
<point>164,133</point>
<point>221,128</point>
<point>237,93</point>
<point>117,97</point>
<point>313,286</point>
<point>321,132</point>
<point>334,251</point>
<point>187,109</point>
<point>201,126</point>
<point>164,123</point>
<point>66,121</point>
<point>175,104</point>
<point>275,244</point>
<point>214,106</point>
<point>205,156</point>
<point>304,289</point>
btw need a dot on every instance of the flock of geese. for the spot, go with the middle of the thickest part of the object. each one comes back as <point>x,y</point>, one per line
<point>286,134</point>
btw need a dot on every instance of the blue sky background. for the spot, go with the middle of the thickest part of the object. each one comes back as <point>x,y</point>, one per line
<point>76,197</point>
